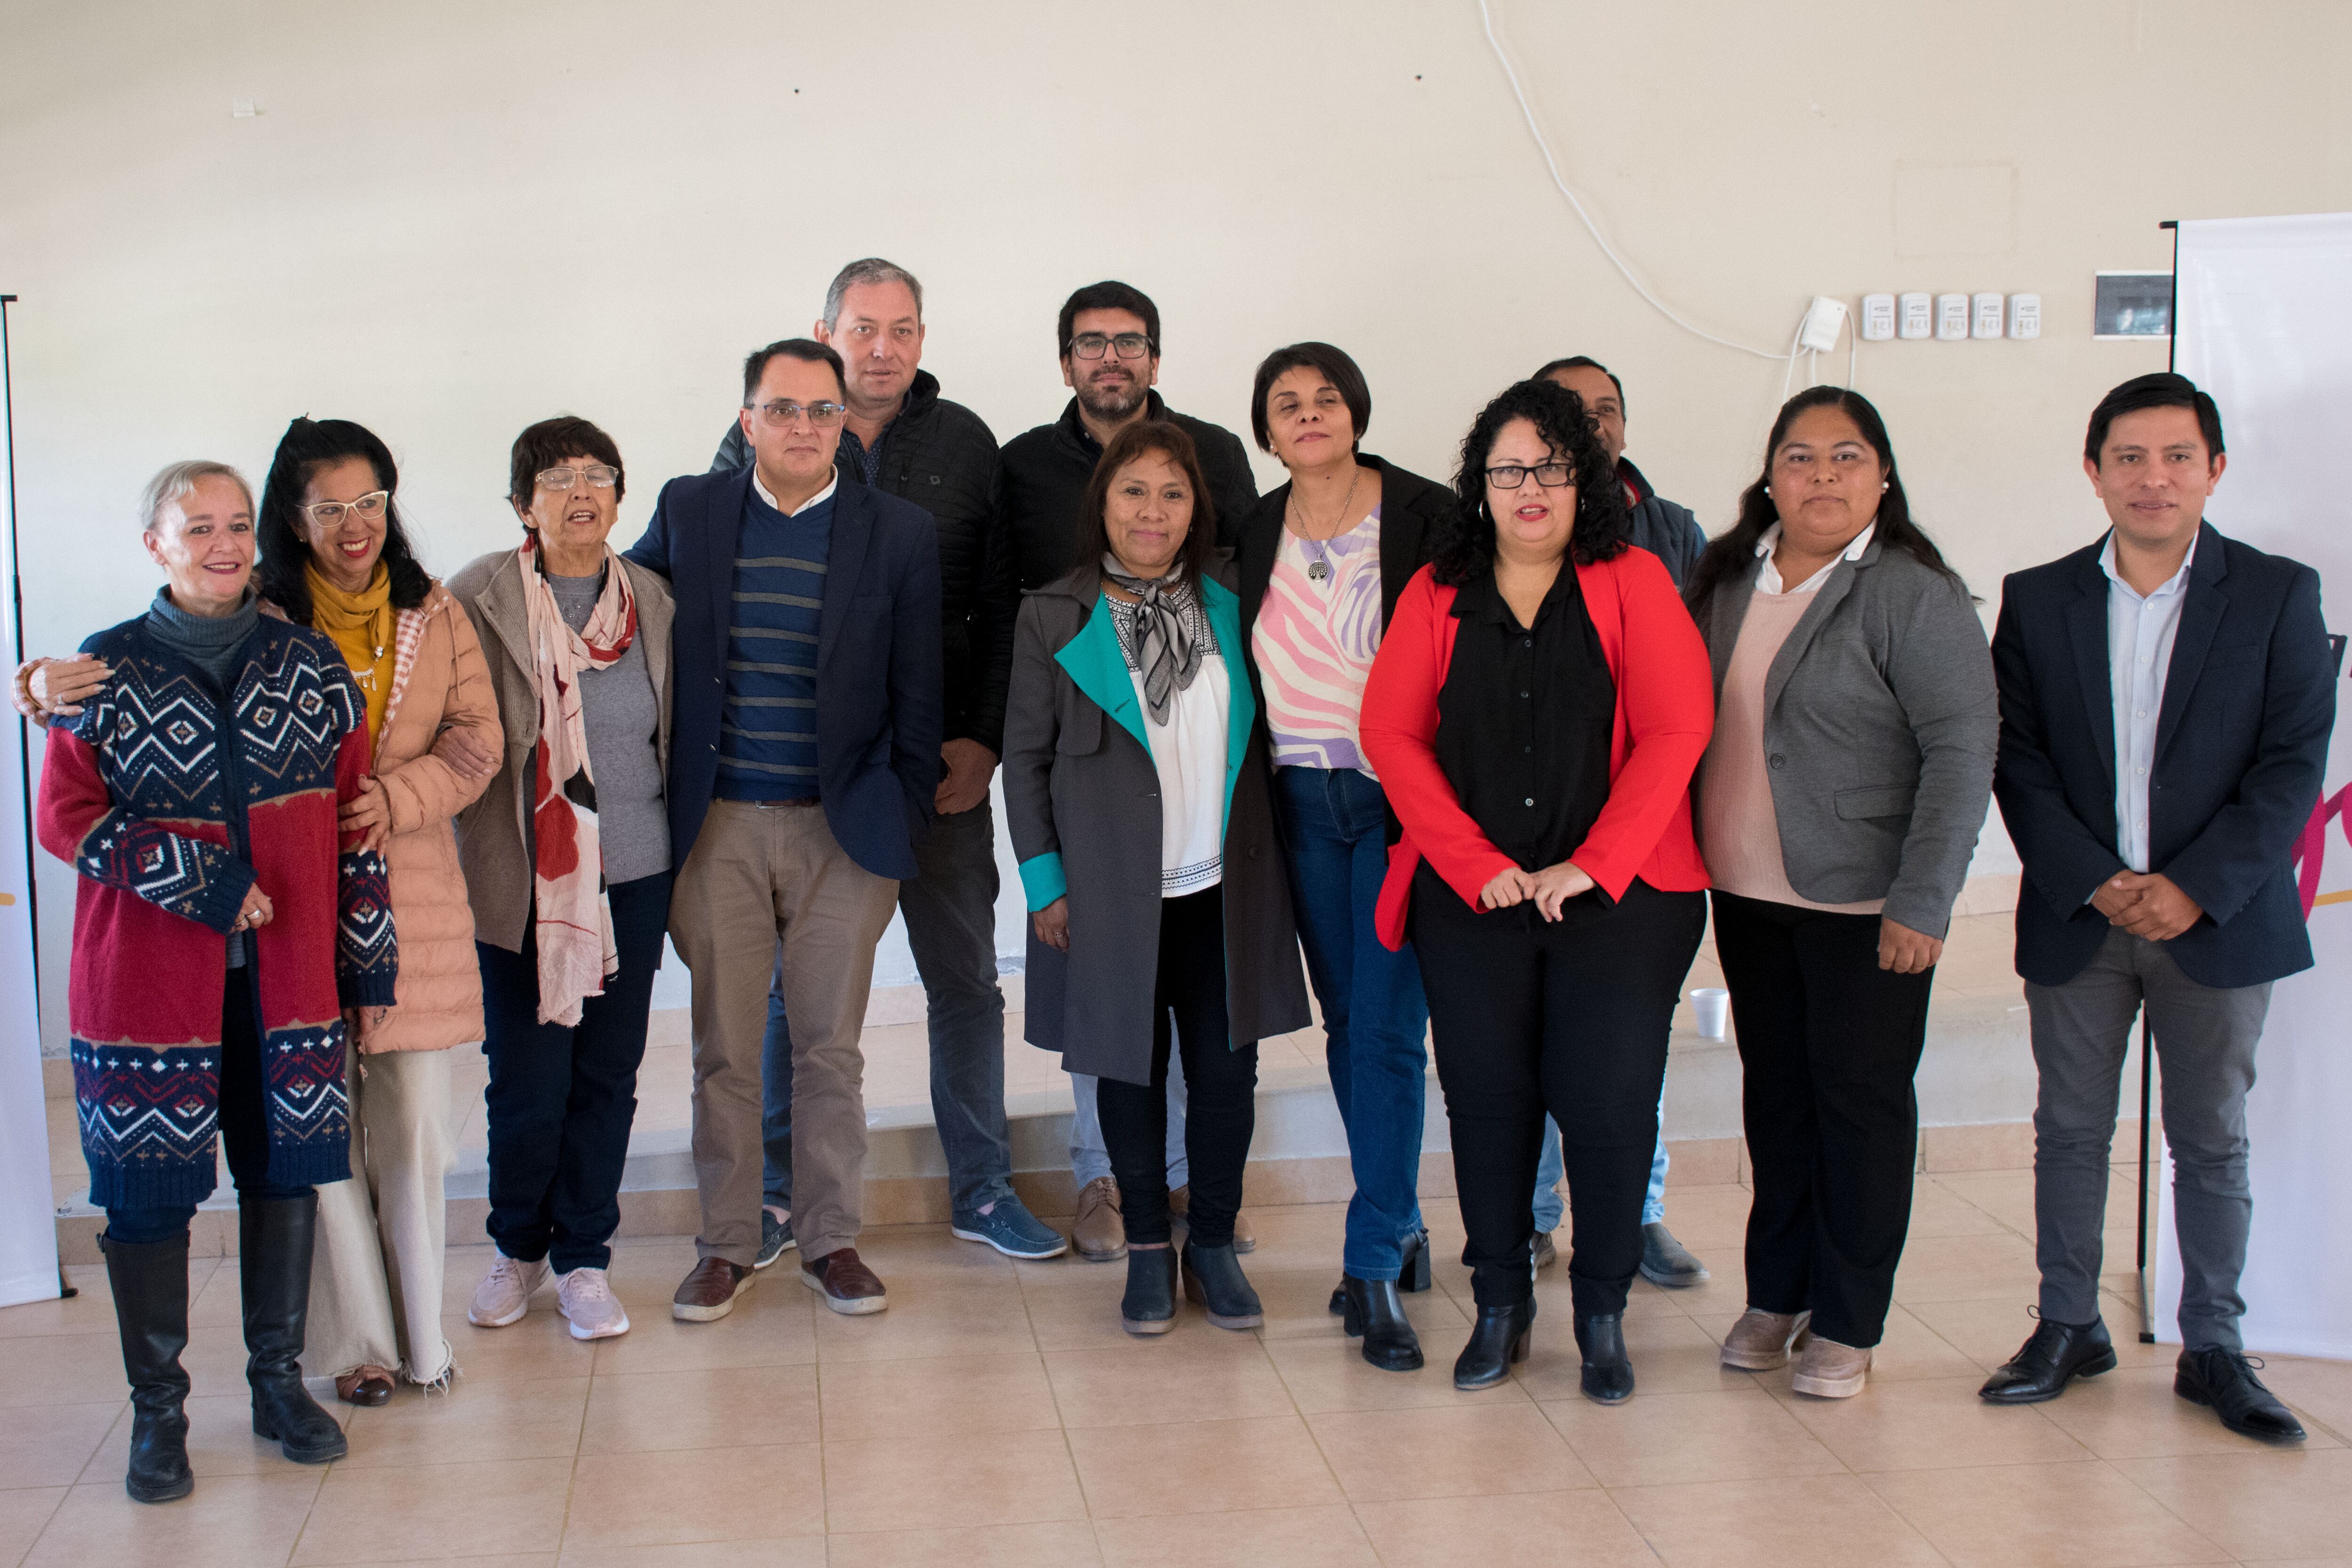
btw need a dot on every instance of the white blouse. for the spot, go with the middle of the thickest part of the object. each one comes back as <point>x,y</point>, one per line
<point>1189,753</point>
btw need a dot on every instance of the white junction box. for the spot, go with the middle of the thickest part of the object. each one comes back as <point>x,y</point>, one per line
<point>1877,318</point>
<point>1951,317</point>
<point>2024,316</point>
<point>1918,315</point>
<point>1988,316</point>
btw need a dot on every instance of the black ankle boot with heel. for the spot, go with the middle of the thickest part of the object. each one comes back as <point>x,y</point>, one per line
<point>1374,1312</point>
<point>275,1238</point>
<point>1149,1305</point>
<point>1412,1273</point>
<point>1214,1279</point>
<point>150,1283</point>
<point>1498,1341</point>
<point>1608,1375</point>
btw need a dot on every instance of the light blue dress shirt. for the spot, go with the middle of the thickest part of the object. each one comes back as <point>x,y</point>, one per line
<point>2140,632</point>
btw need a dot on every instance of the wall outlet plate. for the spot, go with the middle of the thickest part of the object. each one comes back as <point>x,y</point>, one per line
<point>1918,313</point>
<point>1988,316</point>
<point>2024,316</point>
<point>1877,318</point>
<point>1951,317</point>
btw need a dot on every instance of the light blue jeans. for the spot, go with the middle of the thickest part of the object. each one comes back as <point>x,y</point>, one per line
<point>1548,1204</point>
<point>1090,1160</point>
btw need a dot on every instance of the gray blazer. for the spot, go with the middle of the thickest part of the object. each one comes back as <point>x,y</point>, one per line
<point>491,842</point>
<point>1880,717</point>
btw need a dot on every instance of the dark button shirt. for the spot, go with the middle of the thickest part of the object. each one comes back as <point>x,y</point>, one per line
<point>1524,720</point>
<point>867,461</point>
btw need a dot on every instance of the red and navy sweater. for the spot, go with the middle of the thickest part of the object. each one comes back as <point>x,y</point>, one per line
<point>171,805</point>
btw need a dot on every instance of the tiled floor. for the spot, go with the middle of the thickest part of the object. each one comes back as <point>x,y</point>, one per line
<point>995,1415</point>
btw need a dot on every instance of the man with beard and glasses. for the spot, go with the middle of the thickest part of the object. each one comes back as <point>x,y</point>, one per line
<point>1109,337</point>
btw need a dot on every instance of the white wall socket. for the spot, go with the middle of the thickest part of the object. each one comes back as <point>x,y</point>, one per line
<point>1988,316</point>
<point>1877,318</point>
<point>1951,317</point>
<point>1918,312</point>
<point>2024,316</point>
<point>1824,320</point>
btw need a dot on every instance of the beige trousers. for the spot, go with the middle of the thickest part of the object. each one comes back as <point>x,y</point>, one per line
<point>375,1275</point>
<point>760,875</point>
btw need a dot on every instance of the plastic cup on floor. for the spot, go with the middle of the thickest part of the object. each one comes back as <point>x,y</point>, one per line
<point>1714,1005</point>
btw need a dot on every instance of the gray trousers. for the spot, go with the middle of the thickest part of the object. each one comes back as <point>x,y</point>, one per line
<point>2205,1039</point>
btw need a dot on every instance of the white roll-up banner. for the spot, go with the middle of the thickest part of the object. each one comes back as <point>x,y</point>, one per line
<point>2263,322</point>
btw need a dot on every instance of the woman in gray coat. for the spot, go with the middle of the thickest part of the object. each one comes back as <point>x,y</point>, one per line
<point>1135,787</point>
<point>1838,805</point>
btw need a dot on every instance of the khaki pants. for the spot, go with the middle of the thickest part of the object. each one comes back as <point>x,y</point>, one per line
<point>760,874</point>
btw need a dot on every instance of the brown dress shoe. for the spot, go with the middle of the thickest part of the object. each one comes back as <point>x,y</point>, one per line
<point>368,1385</point>
<point>1099,1233</point>
<point>1761,1340</point>
<point>707,1293</point>
<point>847,1286</point>
<point>1546,1251</point>
<point>1179,1209</point>
<point>1828,1370</point>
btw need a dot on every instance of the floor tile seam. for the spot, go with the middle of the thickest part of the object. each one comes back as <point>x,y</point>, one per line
<point>63,1493</point>
<point>294,1546</point>
<point>2156,1496</point>
<point>2101,1462</point>
<point>1869,1490</point>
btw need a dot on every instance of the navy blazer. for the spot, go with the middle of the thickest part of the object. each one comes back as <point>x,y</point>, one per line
<point>2240,749</point>
<point>877,664</point>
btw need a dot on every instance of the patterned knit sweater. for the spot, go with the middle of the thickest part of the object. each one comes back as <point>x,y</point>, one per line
<point>170,806</point>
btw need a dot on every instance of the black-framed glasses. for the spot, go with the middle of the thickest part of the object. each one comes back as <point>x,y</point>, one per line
<point>601,475</point>
<point>1511,476</point>
<point>781,414</point>
<point>1091,345</point>
<point>328,513</point>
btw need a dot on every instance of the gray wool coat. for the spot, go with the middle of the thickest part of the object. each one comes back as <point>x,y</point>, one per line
<point>1880,719</point>
<point>1082,802</point>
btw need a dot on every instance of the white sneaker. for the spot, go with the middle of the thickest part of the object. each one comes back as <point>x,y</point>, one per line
<point>586,1297</point>
<point>504,1294</point>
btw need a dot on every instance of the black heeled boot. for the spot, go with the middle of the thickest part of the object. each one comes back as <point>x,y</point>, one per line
<point>1214,1279</point>
<point>274,1237</point>
<point>1149,1305</point>
<point>1608,1375</point>
<point>150,1281</point>
<point>1412,1275</point>
<point>1376,1312</point>
<point>1498,1341</point>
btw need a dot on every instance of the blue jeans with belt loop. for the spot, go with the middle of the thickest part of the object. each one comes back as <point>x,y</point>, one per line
<point>1375,1018</point>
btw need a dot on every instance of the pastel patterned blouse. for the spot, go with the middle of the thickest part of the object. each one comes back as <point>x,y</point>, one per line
<point>1315,634</point>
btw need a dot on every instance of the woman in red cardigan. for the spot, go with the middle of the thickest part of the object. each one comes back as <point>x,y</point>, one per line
<point>1535,713</point>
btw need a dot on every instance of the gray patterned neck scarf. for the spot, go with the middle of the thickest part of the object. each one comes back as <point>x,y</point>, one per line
<point>1164,648</point>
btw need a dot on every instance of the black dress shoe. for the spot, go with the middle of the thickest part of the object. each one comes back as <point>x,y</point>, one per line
<point>2056,1353</point>
<point>2225,1380</point>
<point>1497,1340</point>
<point>1608,1376</point>
<point>1376,1311</point>
<point>1666,1262</point>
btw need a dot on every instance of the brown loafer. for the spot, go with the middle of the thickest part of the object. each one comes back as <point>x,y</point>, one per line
<point>369,1385</point>
<point>709,1291</point>
<point>847,1286</point>
<point>1761,1340</point>
<point>1828,1370</point>
<point>1099,1233</point>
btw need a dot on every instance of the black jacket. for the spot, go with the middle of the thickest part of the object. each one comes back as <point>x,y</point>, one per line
<point>1666,530</point>
<point>1045,474</point>
<point>941,456</point>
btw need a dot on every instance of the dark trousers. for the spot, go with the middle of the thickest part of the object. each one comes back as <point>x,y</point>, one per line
<point>950,914</point>
<point>1569,1017</point>
<point>1220,1079</point>
<point>244,1127</point>
<point>561,1100</point>
<point>1829,1043</point>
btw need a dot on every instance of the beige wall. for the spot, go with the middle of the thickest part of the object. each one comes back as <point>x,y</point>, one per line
<point>448,220</point>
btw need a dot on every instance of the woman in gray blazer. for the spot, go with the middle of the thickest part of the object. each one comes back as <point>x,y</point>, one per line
<point>1838,806</point>
<point>1135,788</point>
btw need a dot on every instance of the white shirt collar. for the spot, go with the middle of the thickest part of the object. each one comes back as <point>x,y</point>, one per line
<point>766,495</point>
<point>1767,576</point>
<point>2172,585</point>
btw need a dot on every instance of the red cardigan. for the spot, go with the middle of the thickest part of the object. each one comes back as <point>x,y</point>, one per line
<point>1665,711</point>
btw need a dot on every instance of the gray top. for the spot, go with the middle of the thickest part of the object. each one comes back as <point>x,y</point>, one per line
<point>623,712</point>
<point>211,643</point>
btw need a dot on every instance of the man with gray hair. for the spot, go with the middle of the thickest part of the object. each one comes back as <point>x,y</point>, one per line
<point>900,436</point>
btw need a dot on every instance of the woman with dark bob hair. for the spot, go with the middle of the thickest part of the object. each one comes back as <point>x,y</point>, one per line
<point>1535,713</point>
<point>1839,804</point>
<point>1135,788</point>
<point>1323,560</point>
<point>567,860</point>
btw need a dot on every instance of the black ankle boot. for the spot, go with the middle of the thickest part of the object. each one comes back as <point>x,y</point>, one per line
<point>1413,1274</point>
<point>1608,1375</point>
<point>1149,1305</point>
<point>274,1241</point>
<point>1213,1279</point>
<point>1376,1311</point>
<point>1497,1341</point>
<point>150,1281</point>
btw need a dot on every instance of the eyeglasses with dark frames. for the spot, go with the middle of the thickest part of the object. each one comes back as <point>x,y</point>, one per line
<point>1091,345</point>
<point>1511,476</point>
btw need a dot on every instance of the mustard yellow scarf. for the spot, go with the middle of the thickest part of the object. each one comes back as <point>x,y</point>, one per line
<point>362,626</point>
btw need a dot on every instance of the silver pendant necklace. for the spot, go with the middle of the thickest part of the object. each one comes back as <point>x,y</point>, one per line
<point>1320,569</point>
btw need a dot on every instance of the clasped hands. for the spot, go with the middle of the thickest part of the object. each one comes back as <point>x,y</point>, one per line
<point>1550,887</point>
<point>2147,904</point>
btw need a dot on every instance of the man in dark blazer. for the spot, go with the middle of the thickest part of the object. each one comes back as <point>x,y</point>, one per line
<point>2166,700</point>
<point>804,752</point>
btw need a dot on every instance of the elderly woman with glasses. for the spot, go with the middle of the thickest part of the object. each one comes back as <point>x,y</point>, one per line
<point>567,859</point>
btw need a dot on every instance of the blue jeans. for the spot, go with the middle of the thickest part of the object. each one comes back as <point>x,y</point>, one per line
<point>1091,1157</point>
<point>1547,1174</point>
<point>1375,1019</point>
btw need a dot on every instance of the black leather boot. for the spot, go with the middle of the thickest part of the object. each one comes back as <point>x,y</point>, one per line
<point>1498,1340</point>
<point>1214,1279</point>
<point>274,1241</point>
<point>2041,1368</point>
<point>1608,1375</point>
<point>150,1281</point>
<point>1376,1313</point>
<point>1414,1275</point>
<point>1149,1305</point>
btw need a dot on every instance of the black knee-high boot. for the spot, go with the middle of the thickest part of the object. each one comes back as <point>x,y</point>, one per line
<point>150,1281</point>
<point>274,1241</point>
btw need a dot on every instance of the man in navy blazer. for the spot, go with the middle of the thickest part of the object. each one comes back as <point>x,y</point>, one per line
<point>805,755</point>
<point>2166,700</point>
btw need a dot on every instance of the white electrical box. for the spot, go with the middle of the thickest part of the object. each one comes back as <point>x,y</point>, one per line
<point>1877,318</point>
<point>1988,316</point>
<point>1918,312</point>
<point>2025,315</point>
<point>1824,320</point>
<point>1951,317</point>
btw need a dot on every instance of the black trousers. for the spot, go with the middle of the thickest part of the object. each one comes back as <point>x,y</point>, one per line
<point>1570,1017</point>
<point>561,1100</point>
<point>1220,1084</point>
<point>1829,1043</point>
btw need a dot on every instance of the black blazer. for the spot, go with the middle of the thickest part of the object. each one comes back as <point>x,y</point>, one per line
<point>878,662</point>
<point>2240,749</point>
<point>1410,511</point>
